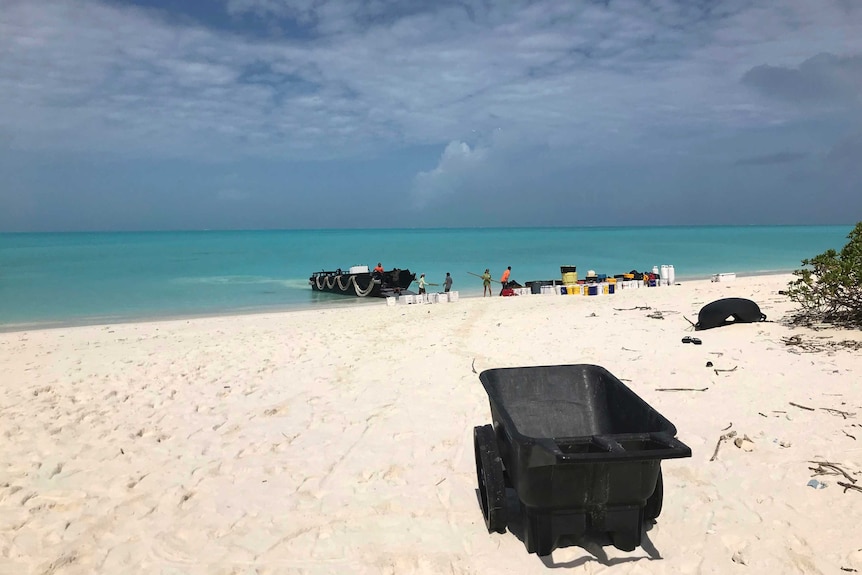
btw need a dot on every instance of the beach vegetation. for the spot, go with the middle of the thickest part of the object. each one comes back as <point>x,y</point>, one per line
<point>829,288</point>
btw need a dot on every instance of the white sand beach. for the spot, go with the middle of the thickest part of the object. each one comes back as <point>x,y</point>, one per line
<point>340,440</point>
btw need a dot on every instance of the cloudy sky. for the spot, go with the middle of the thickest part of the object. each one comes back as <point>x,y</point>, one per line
<point>191,114</point>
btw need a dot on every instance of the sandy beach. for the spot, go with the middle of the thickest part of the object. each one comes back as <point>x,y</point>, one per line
<point>340,440</point>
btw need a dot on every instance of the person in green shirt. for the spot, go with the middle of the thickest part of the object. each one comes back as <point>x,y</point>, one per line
<point>486,283</point>
<point>422,283</point>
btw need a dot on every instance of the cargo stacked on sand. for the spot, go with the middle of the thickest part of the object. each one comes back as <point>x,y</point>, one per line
<point>410,299</point>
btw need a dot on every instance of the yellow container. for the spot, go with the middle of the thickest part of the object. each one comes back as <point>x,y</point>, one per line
<point>629,276</point>
<point>570,278</point>
<point>605,288</point>
<point>611,280</point>
<point>571,289</point>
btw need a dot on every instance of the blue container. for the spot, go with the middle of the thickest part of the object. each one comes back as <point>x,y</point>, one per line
<point>594,289</point>
<point>602,277</point>
<point>563,290</point>
<point>611,288</point>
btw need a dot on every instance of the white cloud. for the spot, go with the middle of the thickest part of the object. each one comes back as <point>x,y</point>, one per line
<point>457,164</point>
<point>371,76</point>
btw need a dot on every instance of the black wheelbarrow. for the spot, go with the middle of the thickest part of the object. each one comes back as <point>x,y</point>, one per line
<point>581,450</point>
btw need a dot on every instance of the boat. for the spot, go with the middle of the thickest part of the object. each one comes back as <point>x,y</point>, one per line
<point>360,282</point>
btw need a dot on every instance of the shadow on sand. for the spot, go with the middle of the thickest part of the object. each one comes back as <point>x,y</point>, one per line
<point>592,543</point>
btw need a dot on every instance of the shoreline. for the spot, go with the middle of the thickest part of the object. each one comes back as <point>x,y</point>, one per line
<point>347,303</point>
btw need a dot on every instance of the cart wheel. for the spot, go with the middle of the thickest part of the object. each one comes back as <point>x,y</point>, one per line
<point>489,471</point>
<point>652,509</point>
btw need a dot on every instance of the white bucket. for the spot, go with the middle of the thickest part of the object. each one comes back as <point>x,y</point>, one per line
<point>359,269</point>
<point>432,297</point>
<point>671,275</point>
<point>663,275</point>
<point>453,296</point>
<point>408,299</point>
<point>391,301</point>
<point>443,297</point>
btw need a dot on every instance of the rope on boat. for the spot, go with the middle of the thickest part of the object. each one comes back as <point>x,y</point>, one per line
<point>330,282</point>
<point>359,291</point>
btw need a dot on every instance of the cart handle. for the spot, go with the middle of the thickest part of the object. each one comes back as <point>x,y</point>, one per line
<point>664,446</point>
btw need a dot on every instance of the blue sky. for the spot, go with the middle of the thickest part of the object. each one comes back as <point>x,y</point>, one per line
<point>190,114</point>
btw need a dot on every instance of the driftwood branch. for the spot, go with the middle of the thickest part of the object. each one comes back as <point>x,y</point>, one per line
<point>827,468</point>
<point>726,437</point>
<point>810,346</point>
<point>717,371</point>
<point>853,437</point>
<point>729,425</point>
<point>801,406</point>
<point>847,486</point>
<point>844,414</point>
<point>680,389</point>
<point>473,365</point>
<point>638,307</point>
<point>694,325</point>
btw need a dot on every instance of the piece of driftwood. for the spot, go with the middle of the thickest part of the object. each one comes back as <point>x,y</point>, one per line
<point>473,365</point>
<point>812,346</point>
<point>680,389</point>
<point>844,414</point>
<point>637,307</point>
<point>729,425</point>
<point>827,468</point>
<point>806,408</point>
<point>726,437</point>
<point>655,315</point>
<point>847,486</point>
<point>717,371</point>
<point>853,437</point>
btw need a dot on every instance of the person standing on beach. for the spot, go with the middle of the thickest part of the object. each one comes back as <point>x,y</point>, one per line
<point>486,283</point>
<point>422,284</point>
<point>504,279</point>
<point>447,283</point>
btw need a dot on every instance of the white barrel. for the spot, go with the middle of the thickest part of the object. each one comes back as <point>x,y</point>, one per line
<point>443,297</point>
<point>655,270</point>
<point>453,296</point>
<point>663,275</point>
<point>671,275</point>
<point>391,301</point>
<point>407,298</point>
<point>359,269</point>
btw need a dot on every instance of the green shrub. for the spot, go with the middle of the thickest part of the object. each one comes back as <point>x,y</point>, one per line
<point>829,289</point>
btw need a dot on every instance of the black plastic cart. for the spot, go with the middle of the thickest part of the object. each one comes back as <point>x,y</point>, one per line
<point>582,451</point>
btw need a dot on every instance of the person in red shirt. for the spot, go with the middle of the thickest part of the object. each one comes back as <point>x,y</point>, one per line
<point>379,268</point>
<point>504,279</point>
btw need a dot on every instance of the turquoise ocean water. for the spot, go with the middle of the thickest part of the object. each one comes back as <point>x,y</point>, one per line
<point>86,277</point>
